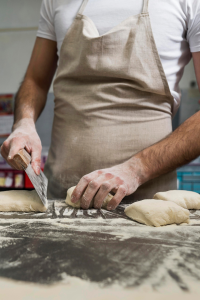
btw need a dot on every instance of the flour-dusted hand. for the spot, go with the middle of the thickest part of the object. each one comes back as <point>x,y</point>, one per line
<point>24,135</point>
<point>120,179</point>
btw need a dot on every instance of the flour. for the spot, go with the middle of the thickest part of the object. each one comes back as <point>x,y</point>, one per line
<point>75,288</point>
<point>121,228</point>
<point>194,222</point>
<point>161,283</point>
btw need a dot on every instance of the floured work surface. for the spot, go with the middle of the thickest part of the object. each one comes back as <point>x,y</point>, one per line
<point>100,247</point>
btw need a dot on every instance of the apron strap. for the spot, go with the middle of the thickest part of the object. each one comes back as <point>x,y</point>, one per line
<point>145,7</point>
<point>83,5</point>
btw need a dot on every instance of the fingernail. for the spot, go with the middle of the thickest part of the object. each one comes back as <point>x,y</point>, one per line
<point>73,199</point>
<point>97,206</point>
<point>85,206</point>
<point>109,207</point>
<point>9,157</point>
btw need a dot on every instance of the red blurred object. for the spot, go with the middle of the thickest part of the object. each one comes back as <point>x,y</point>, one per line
<point>27,182</point>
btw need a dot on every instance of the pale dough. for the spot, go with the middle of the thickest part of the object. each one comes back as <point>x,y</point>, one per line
<point>78,204</point>
<point>185,199</point>
<point>25,201</point>
<point>157,212</point>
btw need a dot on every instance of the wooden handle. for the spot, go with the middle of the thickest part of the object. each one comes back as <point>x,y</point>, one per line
<point>22,159</point>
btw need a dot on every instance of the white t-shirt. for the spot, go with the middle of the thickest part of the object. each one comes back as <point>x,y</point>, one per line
<point>175,26</point>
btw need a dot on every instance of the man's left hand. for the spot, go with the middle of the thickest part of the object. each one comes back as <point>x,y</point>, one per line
<point>120,179</point>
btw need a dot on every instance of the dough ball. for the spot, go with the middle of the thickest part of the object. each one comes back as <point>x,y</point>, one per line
<point>25,201</point>
<point>157,212</point>
<point>78,204</point>
<point>185,199</point>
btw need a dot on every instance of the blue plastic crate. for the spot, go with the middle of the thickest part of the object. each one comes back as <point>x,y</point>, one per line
<point>188,178</point>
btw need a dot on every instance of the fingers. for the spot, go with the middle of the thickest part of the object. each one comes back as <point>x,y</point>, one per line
<point>4,154</point>
<point>89,193</point>
<point>117,198</point>
<point>24,136</point>
<point>36,158</point>
<point>105,188</point>
<point>79,192</point>
<point>12,147</point>
<point>8,150</point>
<point>15,145</point>
<point>97,185</point>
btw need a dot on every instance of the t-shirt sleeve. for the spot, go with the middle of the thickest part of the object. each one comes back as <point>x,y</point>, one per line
<point>46,23</point>
<point>193,33</point>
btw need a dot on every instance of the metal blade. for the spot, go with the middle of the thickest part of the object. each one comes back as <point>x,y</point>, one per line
<point>39,182</point>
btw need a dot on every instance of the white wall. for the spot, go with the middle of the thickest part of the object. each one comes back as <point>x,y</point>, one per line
<point>188,76</point>
<point>18,26</point>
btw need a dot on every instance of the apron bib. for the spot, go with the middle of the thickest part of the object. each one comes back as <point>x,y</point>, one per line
<point>112,100</point>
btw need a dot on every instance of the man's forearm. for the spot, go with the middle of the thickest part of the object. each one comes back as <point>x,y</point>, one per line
<point>179,148</point>
<point>30,101</point>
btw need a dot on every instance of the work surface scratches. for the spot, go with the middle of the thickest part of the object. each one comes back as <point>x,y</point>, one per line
<point>105,248</point>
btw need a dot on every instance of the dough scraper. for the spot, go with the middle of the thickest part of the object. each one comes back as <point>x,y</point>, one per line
<point>40,182</point>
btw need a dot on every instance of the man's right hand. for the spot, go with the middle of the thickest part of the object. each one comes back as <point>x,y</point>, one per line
<point>24,135</point>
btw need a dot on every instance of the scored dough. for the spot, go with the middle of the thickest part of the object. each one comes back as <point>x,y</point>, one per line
<point>157,212</point>
<point>185,199</point>
<point>78,204</point>
<point>25,201</point>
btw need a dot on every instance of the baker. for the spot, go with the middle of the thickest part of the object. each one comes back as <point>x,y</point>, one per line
<point>116,91</point>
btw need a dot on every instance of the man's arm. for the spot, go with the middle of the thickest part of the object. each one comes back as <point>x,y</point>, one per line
<point>30,101</point>
<point>179,148</point>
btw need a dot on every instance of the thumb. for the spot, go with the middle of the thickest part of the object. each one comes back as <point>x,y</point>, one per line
<point>36,159</point>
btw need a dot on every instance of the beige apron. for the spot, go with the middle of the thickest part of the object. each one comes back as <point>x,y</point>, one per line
<point>112,100</point>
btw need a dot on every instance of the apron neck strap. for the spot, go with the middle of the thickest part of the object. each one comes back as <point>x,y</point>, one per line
<point>145,7</point>
<point>83,5</point>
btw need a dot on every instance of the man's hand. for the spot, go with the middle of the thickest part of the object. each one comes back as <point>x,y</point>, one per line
<point>24,135</point>
<point>121,179</point>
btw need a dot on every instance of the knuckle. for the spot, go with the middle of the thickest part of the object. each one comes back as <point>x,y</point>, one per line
<point>85,199</point>
<point>5,144</point>
<point>37,160</point>
<point>119,180</point>
<point>105,186</point>
<point>123,190</point>
<point>86,178</point>
<point>15,139</point>
<point>108,174</point>
<point>93,184</point>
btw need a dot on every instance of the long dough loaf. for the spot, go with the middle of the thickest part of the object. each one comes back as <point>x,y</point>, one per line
<point>21,201</point>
